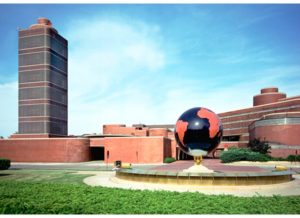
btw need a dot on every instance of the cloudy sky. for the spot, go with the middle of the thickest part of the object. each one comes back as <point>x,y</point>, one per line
<point>149,63</point>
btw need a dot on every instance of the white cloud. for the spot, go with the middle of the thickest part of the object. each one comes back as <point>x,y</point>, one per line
<point>9,108</point>
<point>109,60</point>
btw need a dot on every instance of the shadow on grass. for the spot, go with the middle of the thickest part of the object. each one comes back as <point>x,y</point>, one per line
<point>4,174</point>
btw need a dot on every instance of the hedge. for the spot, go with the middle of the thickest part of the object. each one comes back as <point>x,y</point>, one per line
<point>242,154</point>
<point>51,198</point>
<point>4,164</point>
<point>169,160</point>
<point>293,158</point>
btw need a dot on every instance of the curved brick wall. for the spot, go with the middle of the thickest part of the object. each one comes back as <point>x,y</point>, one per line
<point>46,150</point>
<point>267,96</point>
<point>269,90</point>
<point>282,133</point>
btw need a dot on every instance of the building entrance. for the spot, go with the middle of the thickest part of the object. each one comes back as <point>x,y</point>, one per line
<point>97,153</point>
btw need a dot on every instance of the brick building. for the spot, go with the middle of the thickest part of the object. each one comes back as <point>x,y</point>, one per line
<point>272,115</point>
<point>43,81</point>
<point>43,117</point>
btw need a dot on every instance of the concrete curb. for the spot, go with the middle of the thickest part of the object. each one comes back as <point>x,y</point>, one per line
<point>108,179</point>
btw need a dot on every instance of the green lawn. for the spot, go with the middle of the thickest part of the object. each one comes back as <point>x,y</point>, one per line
<point>61,192</point>
<point>55,176</point>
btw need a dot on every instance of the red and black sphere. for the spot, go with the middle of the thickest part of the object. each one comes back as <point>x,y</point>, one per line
<point>198,131</point>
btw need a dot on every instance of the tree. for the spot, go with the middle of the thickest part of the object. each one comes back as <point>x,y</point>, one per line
<point>262,147</point>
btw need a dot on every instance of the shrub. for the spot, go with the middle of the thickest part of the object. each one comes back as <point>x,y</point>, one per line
<point>242,154</point>
<point>4,164</point>
<point>293,158</point>
<point>278,159</point>
<point>259,146</point>
<point>169,160</point>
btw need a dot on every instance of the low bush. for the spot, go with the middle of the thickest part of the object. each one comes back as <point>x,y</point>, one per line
<point>293,158</point>
<point>4,164</point>
<point>278,159</point>
<point>262,147</point>
<point>242,154</point>
<point>169,160</point>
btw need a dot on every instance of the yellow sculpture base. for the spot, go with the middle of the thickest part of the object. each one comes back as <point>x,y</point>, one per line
<point>198,160</point>
<point>198,167</point>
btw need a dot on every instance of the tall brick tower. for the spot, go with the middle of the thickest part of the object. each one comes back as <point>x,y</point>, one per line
<point>43,81</point>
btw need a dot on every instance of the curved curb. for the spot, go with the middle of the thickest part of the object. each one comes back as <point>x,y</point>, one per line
<point>108,179</point>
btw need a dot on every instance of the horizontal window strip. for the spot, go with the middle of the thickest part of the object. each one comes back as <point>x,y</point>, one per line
<point>262,111</point>
<point>235,128</point>
<point>281,146</point>
<point>47,84</point>
<point>239,121</point>
<point>46,51</point>
<point>46,34</point>
<point>47,99</point>
<point>42,117</point>
<point>276,121</point>
<point>47,66</point>
<point>42,50</point>
<point>43,67</point>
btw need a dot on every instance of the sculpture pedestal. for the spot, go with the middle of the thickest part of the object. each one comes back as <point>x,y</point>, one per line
<point>198,169</point>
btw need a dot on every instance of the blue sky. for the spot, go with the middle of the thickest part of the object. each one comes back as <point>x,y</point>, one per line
<point>149,63</point>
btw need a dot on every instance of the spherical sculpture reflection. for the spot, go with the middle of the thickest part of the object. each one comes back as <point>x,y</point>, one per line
<point>198,131</point>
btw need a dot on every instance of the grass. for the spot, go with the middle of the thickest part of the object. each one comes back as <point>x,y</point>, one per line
<point>54,176</point>
<point>61,192</point>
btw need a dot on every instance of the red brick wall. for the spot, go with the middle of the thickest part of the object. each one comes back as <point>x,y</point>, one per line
<point>97,142</point>
<point>284,152</point>
<point>285,138</point>
<point>173,148</point>
<point>45,150</point>
<point>267,98</point>
<point>121,129</point>
<point>281,134</point>
<point>158,132</point>
<point>136,149</point>
<point>167,148</point>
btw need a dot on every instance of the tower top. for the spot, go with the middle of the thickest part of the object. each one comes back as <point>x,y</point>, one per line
<point>42,22</point>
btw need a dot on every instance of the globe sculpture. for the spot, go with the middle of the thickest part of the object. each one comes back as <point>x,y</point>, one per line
<point>198,131</point>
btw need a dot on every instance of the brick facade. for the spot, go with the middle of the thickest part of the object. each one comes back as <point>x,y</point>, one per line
<point>46,150</point>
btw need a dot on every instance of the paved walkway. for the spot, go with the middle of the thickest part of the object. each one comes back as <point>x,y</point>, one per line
<point>213,164</point>
<point>293,166</point>
<point>108,179</point>
<point>90,166</point>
